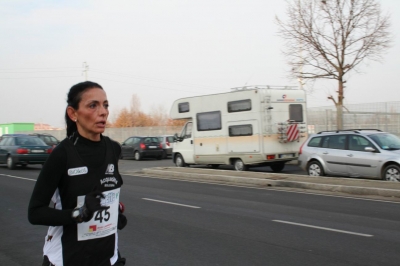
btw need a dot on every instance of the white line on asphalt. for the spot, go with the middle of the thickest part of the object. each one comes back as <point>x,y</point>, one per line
<point>19,177</point>
<point>189,206</point>
<point>323,228</point>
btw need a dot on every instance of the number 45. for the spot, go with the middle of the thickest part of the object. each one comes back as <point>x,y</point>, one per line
<point>99,216</point>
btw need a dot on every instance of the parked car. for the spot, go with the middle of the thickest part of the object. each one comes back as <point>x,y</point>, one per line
<point>47,138</point>
<point>167,142</point>
<point>141,147</point>
<point>368,153</point>
<point>18,149</point>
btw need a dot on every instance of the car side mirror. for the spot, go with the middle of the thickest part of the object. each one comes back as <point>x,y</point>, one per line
<point>370,149</point>
<point>177,138</point>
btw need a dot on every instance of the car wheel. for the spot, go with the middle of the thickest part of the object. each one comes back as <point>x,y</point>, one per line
<point>10,163</point>
<point>137,156</point>
<point>277,167</point>
<point>179,162</point>
<point>314,168</point>
<point>391,173</point>
<point>239,165</point>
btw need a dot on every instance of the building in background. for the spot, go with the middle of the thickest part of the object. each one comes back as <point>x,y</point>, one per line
<point>12,128</point>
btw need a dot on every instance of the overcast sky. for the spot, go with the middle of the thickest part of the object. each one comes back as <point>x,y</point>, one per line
<point>160,50</point>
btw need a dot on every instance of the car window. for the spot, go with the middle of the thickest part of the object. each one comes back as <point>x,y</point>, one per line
<point>359,143</point>
<point>30,141</point>
<point>160,139</point>
<point>170,139</point>
<point>150,140</point>
<point>334,142</point>
<point>386,141</point>
<point>315,142</point>
<point>3,141</point>
<point>9,142</point>
<point>128,141</point>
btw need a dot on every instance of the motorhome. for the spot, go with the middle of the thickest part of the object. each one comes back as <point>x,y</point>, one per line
<point>245,127</point>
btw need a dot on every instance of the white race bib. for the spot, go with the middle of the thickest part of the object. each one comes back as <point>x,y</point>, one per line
<point>103,223</point>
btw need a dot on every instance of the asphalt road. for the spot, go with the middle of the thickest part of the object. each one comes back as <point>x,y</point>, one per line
<point>128,165</point>
<point>187,223</point>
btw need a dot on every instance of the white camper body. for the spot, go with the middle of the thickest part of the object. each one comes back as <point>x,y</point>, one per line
<point>249,126</point>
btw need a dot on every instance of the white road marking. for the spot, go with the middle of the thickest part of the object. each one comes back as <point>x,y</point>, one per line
<point>324,228</point>
<point>19,177</point>
<point>173,203</point>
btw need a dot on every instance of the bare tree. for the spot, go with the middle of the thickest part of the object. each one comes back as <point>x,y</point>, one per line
<point>326,39</point>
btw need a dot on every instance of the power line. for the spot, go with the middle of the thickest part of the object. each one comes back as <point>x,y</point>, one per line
<point>153,79</point>
<point>24,72</point>
<point>112,73</point>
<point>1,69</point>
<point>142,85</point>
<point>42,77</point>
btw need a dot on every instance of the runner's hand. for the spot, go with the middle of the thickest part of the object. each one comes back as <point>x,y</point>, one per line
<point>92,205</point>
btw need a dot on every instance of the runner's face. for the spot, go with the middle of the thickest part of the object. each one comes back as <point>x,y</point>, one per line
<point>92,114</point>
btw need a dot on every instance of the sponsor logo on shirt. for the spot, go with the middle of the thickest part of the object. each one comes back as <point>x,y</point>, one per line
<point>92,228</point>
<point>109,181</point>
<point>110,169</point>
<point>78,171</point>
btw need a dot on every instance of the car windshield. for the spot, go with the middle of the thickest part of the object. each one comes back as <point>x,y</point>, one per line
<point>386,141</point>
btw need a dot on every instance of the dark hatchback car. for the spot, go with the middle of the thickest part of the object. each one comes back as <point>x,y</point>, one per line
<point>47,138</point>
<point>142,147</point>
<point>23,150</point>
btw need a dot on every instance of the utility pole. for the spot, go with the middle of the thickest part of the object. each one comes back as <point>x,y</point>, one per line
<point>85,70</point>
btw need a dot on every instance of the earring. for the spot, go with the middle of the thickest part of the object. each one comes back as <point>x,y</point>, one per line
<point>76,120</point>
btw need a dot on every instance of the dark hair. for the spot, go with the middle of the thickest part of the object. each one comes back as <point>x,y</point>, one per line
<point>74,97</point>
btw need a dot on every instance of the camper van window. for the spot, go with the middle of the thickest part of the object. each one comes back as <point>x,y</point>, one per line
<point>240,130</point>
<point>187,134</point>
<point>183,107</point>
<point>296,112</point>
<point>239,106</point>
<point>209,121</point>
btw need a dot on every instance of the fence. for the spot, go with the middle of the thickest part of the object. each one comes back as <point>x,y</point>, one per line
<point>383,116</point>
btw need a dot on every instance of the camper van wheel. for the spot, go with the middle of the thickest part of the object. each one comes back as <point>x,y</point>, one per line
<point>239,165</point>
<point>179,162</point>
<point>277,167</point>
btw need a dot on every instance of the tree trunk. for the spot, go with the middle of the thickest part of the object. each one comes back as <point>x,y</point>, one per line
<point>339,105</point>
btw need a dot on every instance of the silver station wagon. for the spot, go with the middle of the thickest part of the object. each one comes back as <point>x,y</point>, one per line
<point>368,153</point>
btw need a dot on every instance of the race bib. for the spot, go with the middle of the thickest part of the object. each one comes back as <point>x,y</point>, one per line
<point>104,222</point>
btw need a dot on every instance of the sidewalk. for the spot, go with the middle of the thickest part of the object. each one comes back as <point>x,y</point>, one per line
<point>353,186</point>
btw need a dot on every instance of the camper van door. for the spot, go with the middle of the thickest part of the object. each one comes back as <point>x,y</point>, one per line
<point>185,147</point>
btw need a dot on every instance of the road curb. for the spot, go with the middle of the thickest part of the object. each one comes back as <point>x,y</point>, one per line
<point>275,181</point>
